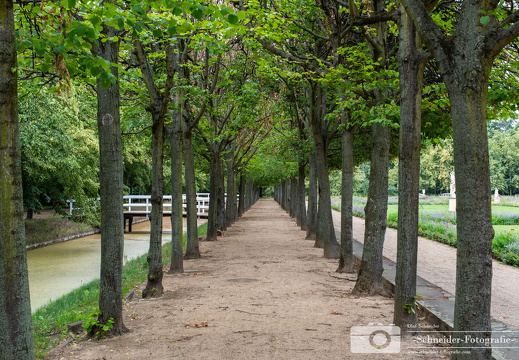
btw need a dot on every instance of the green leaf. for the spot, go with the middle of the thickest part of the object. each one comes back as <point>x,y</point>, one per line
<point>95,71</point>
<point>197,14</point>
<point>242,15</point>
<point>71,4</point>
<point>172,30</point>
<point>484,20</point>
<point>233,19</point>
<point>95,20</point>
<point>157,32</point>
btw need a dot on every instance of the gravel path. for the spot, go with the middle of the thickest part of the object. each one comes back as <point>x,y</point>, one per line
<point>437,264</point>
<point>260,292</point>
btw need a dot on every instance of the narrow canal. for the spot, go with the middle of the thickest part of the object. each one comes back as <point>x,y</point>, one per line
<point>57,269</point>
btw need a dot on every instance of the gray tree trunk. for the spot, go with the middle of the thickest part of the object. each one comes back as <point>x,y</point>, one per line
<point>241,202</point>
<point>346,262</point>
<point>369,281</point>
<point>192,246</point>
<point>468,95</point>
<point>154,287</point>
<point>465,61</point>
<point>294,195</point>
<point>411,63</point>
<point>16,335</point>
<point>111,190</point>
<point>301,198</point>
<point>157,107</point>
<point>215,194</point>
<point>325,230</point>
<point>175,140</point>
<point>312,200</point>
<point>231,211</point>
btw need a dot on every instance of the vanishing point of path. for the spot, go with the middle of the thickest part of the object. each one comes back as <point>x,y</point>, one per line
<point>260,292</point>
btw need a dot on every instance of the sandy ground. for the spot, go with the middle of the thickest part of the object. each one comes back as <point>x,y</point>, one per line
<point>260,292</point>
<point>437,264</point>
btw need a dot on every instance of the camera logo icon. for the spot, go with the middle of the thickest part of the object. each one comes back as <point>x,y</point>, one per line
<point>375,339</point>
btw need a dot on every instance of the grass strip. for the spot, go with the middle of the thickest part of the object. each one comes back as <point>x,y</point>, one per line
<point>50,322</point>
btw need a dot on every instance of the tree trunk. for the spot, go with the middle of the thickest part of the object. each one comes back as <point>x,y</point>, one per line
<point>467,87</point>
<point>346,262</point>
<point>294,195</point>
<point>325,230</point>
<point>154,287</point>
<point>369,281</point>
<point>220,199</point>
<point>175,139</point>
<point>312,200</point>
<point>241,202</point>
<point>214,183</point>
<point>301,198</point>
<point>16,335</point>
<point>411,81</point>
<point>231,211</point>
<point>111,190</point>
<point>192,248</point>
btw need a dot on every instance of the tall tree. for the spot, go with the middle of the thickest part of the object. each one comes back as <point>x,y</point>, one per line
<point>159,101</point>
<point>111,185</point>
<point>465,56</point>
<point>16,336</point>
<point>411,61</point>
<point>370,280</point>
<point>174,130</point>
<point>346,261</point>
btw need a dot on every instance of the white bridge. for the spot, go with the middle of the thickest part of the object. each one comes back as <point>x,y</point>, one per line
<point>140,205</point>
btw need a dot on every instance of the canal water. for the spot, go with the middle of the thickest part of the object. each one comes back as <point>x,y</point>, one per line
<point>57,269</point>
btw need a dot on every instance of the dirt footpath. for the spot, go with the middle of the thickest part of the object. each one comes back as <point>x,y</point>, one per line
<point>260,292</point>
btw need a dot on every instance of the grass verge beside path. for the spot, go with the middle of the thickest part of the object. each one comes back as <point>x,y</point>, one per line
<point>436,223</point>
<point>50,322</point>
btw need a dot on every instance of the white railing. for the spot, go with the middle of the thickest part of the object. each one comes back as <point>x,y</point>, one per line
<point>141,204</point>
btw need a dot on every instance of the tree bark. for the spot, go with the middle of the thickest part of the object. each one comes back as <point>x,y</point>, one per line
<point>154,287</point>
<point>369,281</point>
<point>215,194</point>
<point>241,202</point>
<point>231,211</point>
<point>325,231</point>
<point>411,64</point>
<point>175,140</point>
<point>468,95</point>
<point>192,246</point>
<point>301,198</point>
<point>346,261</point>
<point>158,105</point>
<point>16,335</point>
<point>312,200</point>
<point>294,195</point>
<point>111,190</point>
<point>465,61</point>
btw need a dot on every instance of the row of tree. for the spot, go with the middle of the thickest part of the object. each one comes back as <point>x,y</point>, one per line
<point>342,53</point>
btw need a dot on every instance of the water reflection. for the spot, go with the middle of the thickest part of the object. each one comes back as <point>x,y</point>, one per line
<point>57,269</point>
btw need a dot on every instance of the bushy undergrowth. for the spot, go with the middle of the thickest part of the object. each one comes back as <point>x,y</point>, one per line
<point>50,322</point>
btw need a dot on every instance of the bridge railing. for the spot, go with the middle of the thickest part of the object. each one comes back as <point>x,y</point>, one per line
<point>141,204</point>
